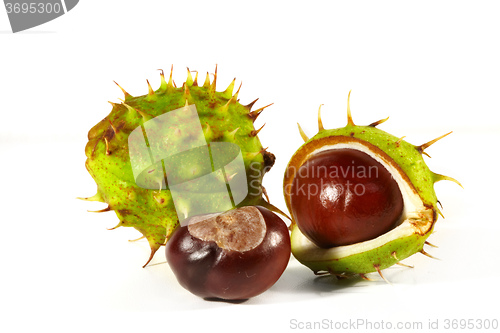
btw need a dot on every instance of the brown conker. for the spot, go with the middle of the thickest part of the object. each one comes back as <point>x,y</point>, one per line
<point>344,196</point>
<point>235,255</point>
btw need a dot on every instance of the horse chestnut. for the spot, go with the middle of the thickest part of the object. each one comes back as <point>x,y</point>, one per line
<point>231,256</point>
<point>344,196</point>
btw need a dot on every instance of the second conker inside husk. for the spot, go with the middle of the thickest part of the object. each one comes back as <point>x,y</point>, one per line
<point>344,196</point>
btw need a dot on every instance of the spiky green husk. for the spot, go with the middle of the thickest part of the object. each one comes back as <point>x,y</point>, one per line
<point>152,212</point>
<point>404,159</point>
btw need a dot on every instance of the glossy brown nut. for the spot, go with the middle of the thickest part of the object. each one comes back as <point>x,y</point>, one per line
<point>234,256</point>
<point>344,196</point>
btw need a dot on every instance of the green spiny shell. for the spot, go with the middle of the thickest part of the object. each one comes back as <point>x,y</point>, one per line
<point>416,181</point>
<point>152,211</point>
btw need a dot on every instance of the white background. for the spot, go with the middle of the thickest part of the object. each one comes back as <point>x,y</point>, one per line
<point>432,66</point>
